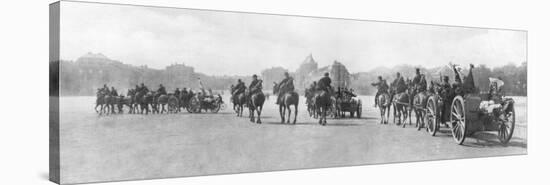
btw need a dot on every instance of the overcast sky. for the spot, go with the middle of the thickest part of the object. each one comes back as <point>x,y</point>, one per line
<point>238,43</point>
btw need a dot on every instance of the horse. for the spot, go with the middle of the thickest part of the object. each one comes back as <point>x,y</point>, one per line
<point>309,103</point>
<point>400,103</point>
<point>255,104</point>
<point>384,103</point>
<point>160,102</point>
<point>100,102</point>
<point>184,100</point>
<point>239,101</point>
<point>419,104</point>
<point>144,100</point>
<point>286,100</point>
<point>323,103</point>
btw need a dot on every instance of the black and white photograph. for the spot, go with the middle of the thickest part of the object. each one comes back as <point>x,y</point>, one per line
<point>145,92</point>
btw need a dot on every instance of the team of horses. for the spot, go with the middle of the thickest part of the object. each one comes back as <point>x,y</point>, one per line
<point>319,104</point>
<point>141,103</point>
<point>404,104</point>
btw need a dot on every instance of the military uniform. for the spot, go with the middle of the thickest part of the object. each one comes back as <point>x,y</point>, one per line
<point>382,87</point>
<point>239,88</point>
<point>400,85</point>
<point>324,84</point>
<point>161,90</point>
<point>113,92</point>
<point>255,86</point>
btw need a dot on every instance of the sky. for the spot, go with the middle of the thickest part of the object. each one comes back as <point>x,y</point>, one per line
<point>228,43</point>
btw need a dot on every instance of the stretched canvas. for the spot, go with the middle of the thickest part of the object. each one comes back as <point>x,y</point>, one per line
<point>142,92</point>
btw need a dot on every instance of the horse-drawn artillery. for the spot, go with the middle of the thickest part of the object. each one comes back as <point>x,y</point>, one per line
<point>198,103</point>
<point>353,105</point>
<point>466,117</point>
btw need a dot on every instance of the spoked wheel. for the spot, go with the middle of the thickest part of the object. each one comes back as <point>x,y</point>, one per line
<point>194,105</point>
<point>458,120</point>
<point>172,106</point>
<point>507,125</point>
<point>431,118</point>
<point>217,107</point>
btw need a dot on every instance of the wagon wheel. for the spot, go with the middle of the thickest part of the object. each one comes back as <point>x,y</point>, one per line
<point>172,105</point>
<point>359,109</point>
<point>217,107</point>
<point>194,105</point>
<point>458,120</point>
<point>431,118</point>
<point>507,125</point>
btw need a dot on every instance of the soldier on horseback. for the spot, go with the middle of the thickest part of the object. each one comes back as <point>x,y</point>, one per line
<point>105,90</point>
<point>239,88</point>
<point>161,90</point>
<point>255,86</point>
<point>143,89</point>
<point>419,82</point>
<point>399,83</point>
<point>324,84</point>
<point>113,92</point>
<point>286,85</point>
<point>382,87</point>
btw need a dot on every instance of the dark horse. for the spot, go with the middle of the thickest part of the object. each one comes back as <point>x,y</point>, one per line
<point>286,100</point>
<point>100,102</point>
<point>144,100</point>
<point>323,103</point>
<point>239,101</point>
<point>255,104</point>
<point>400,107</point>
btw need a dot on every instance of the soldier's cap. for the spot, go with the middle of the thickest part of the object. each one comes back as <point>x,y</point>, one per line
<point>254,75</point>
<point>326,74</point>
<point>417,69</point>
<point>286,73</point>
<point>379,77</point>
<point>445,77</point>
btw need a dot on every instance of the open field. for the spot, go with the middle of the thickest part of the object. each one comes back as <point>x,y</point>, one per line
<point>127,146</point>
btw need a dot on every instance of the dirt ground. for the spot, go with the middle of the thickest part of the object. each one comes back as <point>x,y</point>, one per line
<point>128,146</point>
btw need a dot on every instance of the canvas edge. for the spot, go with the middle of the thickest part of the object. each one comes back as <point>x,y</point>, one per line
<point>54,145</point>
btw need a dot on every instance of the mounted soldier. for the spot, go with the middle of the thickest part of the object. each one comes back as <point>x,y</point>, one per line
<point>382,87</point>
<point>161,90</point>
<point>105,90</point>
<point>143,89</point>
<point>113,92</point>
<point>399,83</point>
<point>239,88</point>
<point>324,84</point>
<point>286,85</point>
<point>255,86</point>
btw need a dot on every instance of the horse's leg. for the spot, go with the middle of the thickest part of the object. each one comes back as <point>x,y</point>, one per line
<point>251,113</point>
<point>289,112</point>
<point>259,110</point>
<point>282,113</point>
<point>325,116</point>
<point>295,113</point>
<point>381,114</point>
